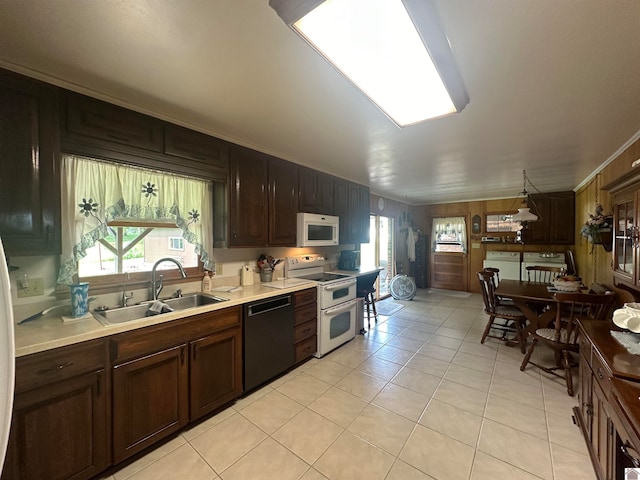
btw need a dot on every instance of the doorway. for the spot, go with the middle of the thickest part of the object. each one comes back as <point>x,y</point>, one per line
<point>380,251</point>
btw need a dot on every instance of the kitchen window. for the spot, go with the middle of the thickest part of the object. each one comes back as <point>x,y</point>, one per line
<point>121,219</point>
<point>449,234</point>
<point>501,222</point>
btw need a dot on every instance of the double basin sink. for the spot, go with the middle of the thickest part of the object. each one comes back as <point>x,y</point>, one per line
<point>142,310</point>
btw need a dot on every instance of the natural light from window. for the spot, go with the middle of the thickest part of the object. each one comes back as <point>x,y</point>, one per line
<point>376,45</point>
<point>136,249</point>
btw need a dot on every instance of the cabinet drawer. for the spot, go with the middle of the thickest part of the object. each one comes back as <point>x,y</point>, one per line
<point>601,374</point>
<point>304,330</point>
<point>54,365</point>
<point>305,349</point>
<point>305,313</point>
<point>88,117</point>
<point>304,297</point>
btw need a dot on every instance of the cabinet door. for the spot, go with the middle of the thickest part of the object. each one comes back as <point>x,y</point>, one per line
<point>341,208</point>
<point>307,190</point>
<point>364,213</point>
<point>600,436</point>
<point>150,400</point>
<point>623,243</point>
<point>283,202</point>
<point>29,167</point>
<point>584,395</point>
<point>538,233</point>
<point>94,119</point>
<point>315,192</point>
<point>562,227</point>
<point>248,212</point>
<point>557,222</point>
<point>59,431</point>
<point>216,371</point>
<point>324,203</point>
<point>209,152</point>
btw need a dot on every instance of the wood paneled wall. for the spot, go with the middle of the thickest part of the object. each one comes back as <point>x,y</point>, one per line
<point>596,266</point>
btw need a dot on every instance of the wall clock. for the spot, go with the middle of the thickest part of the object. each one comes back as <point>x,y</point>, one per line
<point>380,204</point>
<point>476,224</point>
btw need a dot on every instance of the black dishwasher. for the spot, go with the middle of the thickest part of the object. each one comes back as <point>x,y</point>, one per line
<point>268,340</point>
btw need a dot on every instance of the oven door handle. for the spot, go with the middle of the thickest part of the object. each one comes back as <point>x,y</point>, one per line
<point>338,286</point>
<point>339,308</point>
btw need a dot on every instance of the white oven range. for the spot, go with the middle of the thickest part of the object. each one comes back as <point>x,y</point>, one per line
<point>336,300</point>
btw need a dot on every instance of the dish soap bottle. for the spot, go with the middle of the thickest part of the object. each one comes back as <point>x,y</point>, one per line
<point>206,283</point>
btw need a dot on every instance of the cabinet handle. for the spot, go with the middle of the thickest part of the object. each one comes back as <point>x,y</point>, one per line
<point>99,383</point>
<point>182,355</point>
<point>307,330</point>
<point>48,234</point>
<point>600,375</point>
<point>195,349</point>
<point>624,448</point>
<point>54,369</point>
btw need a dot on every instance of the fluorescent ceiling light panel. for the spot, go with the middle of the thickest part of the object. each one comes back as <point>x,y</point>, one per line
<point>380,48</point>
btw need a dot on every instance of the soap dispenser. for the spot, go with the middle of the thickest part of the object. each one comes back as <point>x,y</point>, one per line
<point>206,283</point>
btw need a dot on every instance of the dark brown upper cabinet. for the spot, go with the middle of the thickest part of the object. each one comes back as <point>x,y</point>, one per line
<point>248,198</point>
<point>315,192</point>
<point>29,166</point>
<point>557,223</point>
<point>283,202</point>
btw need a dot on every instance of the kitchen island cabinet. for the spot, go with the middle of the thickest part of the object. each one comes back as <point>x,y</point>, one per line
<point>60,424</point>
<point>167,375</point>
<point>29,166</point>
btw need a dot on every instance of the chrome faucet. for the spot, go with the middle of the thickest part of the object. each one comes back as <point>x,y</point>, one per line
<point>125,297</point>
<point>156,286</point>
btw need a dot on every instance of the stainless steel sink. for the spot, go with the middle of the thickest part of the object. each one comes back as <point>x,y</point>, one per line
<point>136,312</point>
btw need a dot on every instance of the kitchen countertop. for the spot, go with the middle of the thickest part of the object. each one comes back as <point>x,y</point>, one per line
<point>48,332</point>
<point>364,270</point>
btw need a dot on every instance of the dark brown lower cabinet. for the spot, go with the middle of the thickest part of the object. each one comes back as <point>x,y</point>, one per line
<point>216,371</point>
<point>150,400</point>
<point>167,375</point>
<point>60,425</point>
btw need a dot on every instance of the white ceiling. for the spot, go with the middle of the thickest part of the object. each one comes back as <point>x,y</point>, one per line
<point>554,87</point>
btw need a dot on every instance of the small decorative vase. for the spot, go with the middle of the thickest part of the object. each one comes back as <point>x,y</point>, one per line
<point>79,299</point>
<point>266,275</point>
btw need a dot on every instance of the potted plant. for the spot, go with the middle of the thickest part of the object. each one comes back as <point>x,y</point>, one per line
<point>597,229</point>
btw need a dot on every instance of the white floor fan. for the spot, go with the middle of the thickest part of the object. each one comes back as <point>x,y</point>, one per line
<point>402,287</point>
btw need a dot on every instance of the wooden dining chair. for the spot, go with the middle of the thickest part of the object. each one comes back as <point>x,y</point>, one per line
<point>513,319</point>
<point>496,281</point>
<point>542,274</point>
<point>562,338</point>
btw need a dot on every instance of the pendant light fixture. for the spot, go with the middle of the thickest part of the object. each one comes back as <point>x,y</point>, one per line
<point>524,215</point>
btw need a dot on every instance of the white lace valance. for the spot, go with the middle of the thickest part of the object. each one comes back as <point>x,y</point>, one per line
<point>96,192</point>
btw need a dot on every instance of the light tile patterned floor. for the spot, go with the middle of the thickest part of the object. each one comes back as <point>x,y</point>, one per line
<point>418,397</point>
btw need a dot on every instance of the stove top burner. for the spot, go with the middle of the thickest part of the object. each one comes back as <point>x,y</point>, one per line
<point>324,277</point>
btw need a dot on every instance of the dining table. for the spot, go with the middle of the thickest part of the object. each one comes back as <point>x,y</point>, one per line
<point>534,299</point>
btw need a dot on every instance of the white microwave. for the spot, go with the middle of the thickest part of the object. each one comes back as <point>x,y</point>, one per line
<point>316,230</point>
